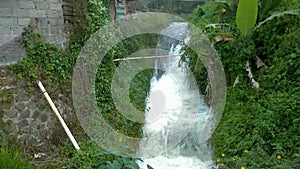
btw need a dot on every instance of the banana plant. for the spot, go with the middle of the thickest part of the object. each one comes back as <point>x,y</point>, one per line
<point>246,15</point>
<point>249,13</point>
<point>248,10</point>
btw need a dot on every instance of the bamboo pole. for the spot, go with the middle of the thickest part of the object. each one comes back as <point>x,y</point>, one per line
<point>61,120</point>
<point>145,57</point>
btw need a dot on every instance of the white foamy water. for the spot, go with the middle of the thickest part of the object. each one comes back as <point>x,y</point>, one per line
<point>175,114</point>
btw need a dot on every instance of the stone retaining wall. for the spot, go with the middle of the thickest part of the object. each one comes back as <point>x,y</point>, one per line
<point>26,115</point>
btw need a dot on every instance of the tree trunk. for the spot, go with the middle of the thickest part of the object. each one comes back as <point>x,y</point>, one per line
<point>126,9</point>
<point>112,10</point>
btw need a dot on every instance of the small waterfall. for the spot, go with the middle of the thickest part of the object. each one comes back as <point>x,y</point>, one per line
<point>175,113</point>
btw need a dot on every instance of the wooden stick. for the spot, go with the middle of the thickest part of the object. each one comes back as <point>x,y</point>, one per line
<point>145,57</point>
<point>61,120</point>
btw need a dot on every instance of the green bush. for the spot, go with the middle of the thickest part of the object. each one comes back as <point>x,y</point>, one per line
<point>90,156</point>
<point>235,53</point>
<point>54,66</point>
<point>260,127</point>
<point>139,86</point>
<point>45,61</point>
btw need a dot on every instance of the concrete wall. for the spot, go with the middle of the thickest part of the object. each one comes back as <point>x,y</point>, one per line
<point>45,16</point>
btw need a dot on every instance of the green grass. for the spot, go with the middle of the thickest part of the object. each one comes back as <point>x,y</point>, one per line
<point>10,158</point>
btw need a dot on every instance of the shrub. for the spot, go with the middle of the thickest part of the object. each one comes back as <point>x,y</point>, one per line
<point>259,128</point>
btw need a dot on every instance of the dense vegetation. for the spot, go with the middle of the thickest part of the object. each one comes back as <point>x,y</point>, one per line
<point>54,67</point>
<point>260,127</point>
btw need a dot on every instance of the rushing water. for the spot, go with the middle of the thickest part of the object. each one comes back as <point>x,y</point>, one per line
<point>175,113</point>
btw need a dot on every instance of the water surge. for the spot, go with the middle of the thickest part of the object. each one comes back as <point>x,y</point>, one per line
<point>176,112</point>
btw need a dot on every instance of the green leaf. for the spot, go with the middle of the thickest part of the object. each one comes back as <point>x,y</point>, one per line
<point>246,15</point>
<point>267,5</point>
<point>291,12</point>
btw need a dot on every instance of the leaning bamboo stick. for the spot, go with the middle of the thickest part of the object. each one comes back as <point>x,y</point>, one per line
<point>145,57</point>
<point>61,120</point>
